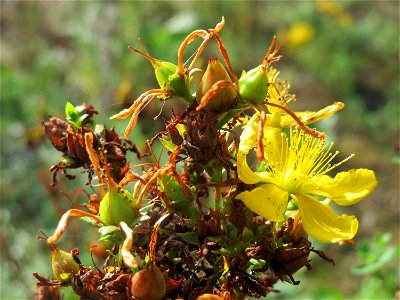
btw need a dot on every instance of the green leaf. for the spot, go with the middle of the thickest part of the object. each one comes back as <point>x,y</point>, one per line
<point>231,231</point>
<point>189,237</point>
<point>72,114</point>
<point>371,267</point>
<point>247,235</point>
<point>106,230</point>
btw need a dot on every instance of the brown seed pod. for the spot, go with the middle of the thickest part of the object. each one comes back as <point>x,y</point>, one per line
<point>148,284</point>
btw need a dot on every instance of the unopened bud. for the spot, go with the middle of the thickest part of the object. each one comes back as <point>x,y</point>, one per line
<point>163,71</point>
<point>117,206</point>
<point>63,264</point>
<point>225,97</point>
<point>253,85</point>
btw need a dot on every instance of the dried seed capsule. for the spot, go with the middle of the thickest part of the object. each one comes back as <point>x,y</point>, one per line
<point>148,284</point>
<point>117,206</point>
<point>225,96</point>
<point>63,264</point>
<point>253,85</point>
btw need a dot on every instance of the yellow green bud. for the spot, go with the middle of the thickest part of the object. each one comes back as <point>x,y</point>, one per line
<point>63,264</point>
<point>253,85</point>
<point>117,206</point>
<point>225,97</point>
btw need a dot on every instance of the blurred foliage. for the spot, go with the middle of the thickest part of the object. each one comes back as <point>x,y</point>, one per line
<point>53,52</point>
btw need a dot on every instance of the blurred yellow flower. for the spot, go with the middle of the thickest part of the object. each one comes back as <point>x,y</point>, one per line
<point>296,168</point>
<point>299,34</point>
<point>336,10</point>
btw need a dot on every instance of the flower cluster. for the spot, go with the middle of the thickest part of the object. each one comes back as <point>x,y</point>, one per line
<point>229,214</point>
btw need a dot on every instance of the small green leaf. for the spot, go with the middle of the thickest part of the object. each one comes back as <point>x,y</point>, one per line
<point>72,114</point>
<point>112,239</point>
<point>255,264</point>
<point>65,276</point>
<point>90,221</point>
<point>168,144</point>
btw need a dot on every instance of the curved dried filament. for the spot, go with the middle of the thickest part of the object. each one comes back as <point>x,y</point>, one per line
<point>301,125</point>
<point>129,177</point>
<point>206,36</point>
<point>153,244</point>
<point>212,32</point>
<point>95,160</point>
<point>137,107</point>
<point>153,178</point>
<point>213,90</point>
<point>62,224</point>
<point>169,167</point>
<point>128,111</point>
<point>271,57</point>
<point>190,38</point>
<point>127,257</point>
<point>225,56</point>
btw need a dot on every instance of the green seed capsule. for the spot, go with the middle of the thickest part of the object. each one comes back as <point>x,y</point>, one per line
<point>225,97</point>
<point>63,265</point>
<point>117,206</point>
<point>253,85</point>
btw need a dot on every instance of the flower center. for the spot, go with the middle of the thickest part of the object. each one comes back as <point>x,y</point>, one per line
<point>299,160</point>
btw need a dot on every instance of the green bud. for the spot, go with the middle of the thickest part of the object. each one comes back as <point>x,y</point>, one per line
<point>163,71</point>
<point>63,264</point>
<point>168,79</point>
<point>117,206</point>
<point>225,97</point>
<point>253,85</point>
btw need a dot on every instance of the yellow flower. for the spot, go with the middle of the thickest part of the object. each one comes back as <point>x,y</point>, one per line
<point>296,168</point>
<point>299,34</point>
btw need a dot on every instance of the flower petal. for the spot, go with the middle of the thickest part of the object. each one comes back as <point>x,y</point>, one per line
<point>322,223</point>
<point>248,138</point>
<point>246,174</point>
<point>268,201</point>
<point>348,188</point>
<point>248,141</point>
<point>308,117</point>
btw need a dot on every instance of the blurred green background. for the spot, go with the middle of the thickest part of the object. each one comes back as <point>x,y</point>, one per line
<point>58,51</point>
